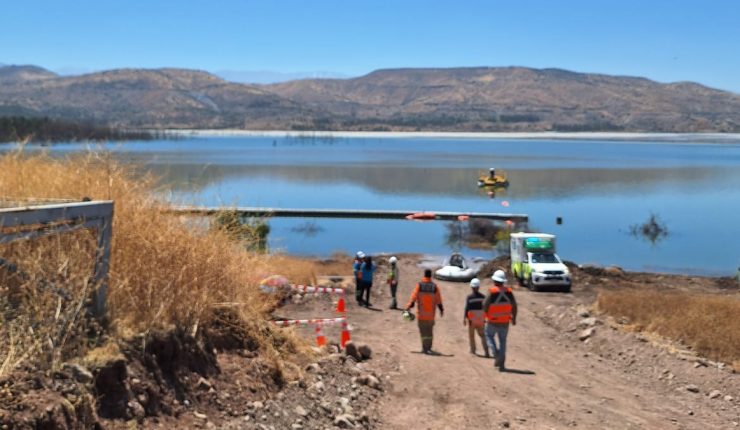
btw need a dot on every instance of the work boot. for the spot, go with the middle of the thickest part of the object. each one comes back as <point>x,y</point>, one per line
<point>488,355</point>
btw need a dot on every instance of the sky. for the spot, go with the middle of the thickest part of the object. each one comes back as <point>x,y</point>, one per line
<point>676,40</point>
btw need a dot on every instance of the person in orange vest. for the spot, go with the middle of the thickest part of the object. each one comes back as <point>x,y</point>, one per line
<point>429,298</point>
<point>500,309</point>
<point>474,317</point>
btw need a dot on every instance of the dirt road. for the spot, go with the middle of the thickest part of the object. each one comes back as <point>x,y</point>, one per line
<point>554,381</point>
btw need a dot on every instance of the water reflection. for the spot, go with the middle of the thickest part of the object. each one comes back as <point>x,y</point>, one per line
<point>597,188</point>
<point>441,181</point>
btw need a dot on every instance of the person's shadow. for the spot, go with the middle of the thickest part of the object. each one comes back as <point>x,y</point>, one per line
<point>507,370</point>
<point>433,354</point>
<point>519,371</point>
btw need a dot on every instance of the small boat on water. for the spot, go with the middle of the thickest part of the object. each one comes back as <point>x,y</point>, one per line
<point>456,268</point>
<point>492,179</point>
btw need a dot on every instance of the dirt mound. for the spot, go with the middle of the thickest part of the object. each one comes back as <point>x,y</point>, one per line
<point>500,262</point>
<point>161,375</point>
<point>29,400</point>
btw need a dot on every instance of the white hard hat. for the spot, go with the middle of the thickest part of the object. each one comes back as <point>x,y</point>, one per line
<point>393,259</point>
<point>360,254</point>
<point>475,283</point>
<point>499,276</point>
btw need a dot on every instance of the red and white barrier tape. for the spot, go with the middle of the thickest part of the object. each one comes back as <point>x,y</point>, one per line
<point>317,290</point>
<point>286,323</point>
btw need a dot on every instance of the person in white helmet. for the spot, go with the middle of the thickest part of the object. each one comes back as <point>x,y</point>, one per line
<point>393,280</point>
<point>499,309</point>
<point>356,266</point>
<point>474,317</point>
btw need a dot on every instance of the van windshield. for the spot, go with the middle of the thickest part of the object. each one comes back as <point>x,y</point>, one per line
<point>544,258</point>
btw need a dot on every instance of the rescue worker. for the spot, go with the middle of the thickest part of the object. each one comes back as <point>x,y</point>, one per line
<point>499,309</point>
<point>393,281</point>
<point>358,276</point>
<point>428,296</point>
<point>474,317</point>
<point>367,269</point>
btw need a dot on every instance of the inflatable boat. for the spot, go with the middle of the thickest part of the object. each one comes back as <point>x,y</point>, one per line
<point>456,268</point>
<point>492,179</point>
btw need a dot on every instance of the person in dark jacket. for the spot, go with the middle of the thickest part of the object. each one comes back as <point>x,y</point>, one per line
<point>367,269</point>
<point>356,266</point>
<point>393,280</point>
<point>474,317</point>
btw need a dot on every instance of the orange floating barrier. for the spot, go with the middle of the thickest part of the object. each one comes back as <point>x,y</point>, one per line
<point>505,204</point>
<point>422,216</point>
<point>463,218</point>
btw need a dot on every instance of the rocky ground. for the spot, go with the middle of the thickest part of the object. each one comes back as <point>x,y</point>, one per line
<point>569,366</point>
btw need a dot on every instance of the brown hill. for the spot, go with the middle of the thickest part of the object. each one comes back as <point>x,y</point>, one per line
<point>17,74</point>
<point>516,98</point>
<point>150,98</point>
<point>464,99</point>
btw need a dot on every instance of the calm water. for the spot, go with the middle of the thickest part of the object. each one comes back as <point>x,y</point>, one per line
<point>599,188</point>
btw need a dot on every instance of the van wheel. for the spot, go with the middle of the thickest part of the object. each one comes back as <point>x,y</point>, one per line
<point>520,280</point>
<point>531,285</point>
<point>567,289</point>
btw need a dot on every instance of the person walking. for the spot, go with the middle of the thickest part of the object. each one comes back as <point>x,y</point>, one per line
<point>367,270</point>
<point>429,298</point>
<point>393,280</point>
<point>474,317</point>
<point>500,309</point>
<point>356,266</point>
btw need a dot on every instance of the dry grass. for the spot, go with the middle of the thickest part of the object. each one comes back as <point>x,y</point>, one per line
<point>707,323</point>
<point>163,274</point>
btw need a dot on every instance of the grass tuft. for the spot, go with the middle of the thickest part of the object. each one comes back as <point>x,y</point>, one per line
<point>707,323</point>
<point>164,273</point>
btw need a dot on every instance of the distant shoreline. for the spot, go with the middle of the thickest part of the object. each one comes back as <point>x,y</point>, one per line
<point>610,136</point>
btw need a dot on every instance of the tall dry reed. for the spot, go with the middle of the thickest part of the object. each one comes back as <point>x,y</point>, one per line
<point>163,272</point>
<point>708,323</point>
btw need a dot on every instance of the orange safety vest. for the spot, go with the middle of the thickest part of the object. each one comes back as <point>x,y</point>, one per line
<point>426,297</point>
<point>500,311</point>
<point>477,317</point>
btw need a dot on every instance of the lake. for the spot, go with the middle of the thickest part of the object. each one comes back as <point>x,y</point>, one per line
<point>600,189</point>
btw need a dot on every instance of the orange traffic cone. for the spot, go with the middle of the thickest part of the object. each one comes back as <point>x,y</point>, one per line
<point>340,305</point>
<point>320,338</point>
<point>345,334</point>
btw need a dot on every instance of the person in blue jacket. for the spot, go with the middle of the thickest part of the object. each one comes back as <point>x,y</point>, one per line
<point>356,266</point>
<point>367,270</point>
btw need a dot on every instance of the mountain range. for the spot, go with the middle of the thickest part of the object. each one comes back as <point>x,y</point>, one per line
<point>455,99</point>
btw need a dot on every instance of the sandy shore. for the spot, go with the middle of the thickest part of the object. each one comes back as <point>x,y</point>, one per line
<point>610,136</point>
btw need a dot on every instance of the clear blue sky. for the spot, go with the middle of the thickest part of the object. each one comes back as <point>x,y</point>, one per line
<point>666,40</point>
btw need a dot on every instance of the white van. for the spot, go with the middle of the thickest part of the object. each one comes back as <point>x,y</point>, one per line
<point>535,264</point>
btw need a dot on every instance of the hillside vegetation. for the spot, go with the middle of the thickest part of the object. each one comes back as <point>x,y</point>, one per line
<point>707,323</point>
<point>46,130</point>
<point>455,99</point>
<point>164,275</point>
